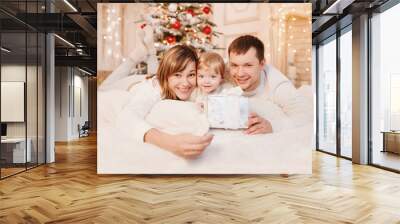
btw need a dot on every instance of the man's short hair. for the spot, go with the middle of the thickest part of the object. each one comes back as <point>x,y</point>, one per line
<point>243,43</point>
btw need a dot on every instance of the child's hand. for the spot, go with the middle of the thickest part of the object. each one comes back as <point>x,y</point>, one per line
<point>200,106</point>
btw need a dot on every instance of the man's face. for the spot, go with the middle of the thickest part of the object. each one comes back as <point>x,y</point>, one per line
<point>246,69</point>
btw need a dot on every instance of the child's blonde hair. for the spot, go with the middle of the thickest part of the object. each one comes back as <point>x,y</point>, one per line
<point>213,62</point>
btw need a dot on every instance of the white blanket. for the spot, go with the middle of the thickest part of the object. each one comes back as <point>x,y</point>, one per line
<point>231,152</point>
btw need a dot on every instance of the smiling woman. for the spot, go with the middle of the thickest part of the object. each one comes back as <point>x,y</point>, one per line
<point>175,80</point>
<point>177,73</point>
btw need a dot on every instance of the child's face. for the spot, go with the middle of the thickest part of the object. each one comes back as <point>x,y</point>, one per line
<point>207,80</point>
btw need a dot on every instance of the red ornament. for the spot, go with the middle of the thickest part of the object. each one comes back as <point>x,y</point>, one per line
<point>207,30</point>
<point>142,26</point>
<point>171,39</point>
<point>176,25</point>
<point>206,10</point>
<point>190,11</point>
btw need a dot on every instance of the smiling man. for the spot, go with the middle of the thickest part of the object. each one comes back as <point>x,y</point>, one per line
<point>248,69</point>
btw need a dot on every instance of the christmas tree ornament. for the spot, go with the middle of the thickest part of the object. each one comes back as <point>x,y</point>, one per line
<point>207,30</point>
<point>176,25</point>
<point>172,7</point>
<point>190,11</point>
<point>206,9</point>
<point>171,39</point>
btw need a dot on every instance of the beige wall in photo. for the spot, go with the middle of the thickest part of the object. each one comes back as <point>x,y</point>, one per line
<point>116,31</point>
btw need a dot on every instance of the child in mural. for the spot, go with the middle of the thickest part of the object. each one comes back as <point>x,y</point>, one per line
<point>210,78</point>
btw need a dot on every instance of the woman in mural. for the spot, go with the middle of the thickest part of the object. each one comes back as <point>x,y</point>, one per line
<point>175,79</point>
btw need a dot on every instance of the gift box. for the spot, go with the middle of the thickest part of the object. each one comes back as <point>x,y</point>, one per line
<point>227,111</point>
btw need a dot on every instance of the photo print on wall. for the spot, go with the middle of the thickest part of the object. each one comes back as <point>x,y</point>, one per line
<point>204,88</point>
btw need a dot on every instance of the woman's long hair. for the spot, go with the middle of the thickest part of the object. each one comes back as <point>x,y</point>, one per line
<point>174,60</point>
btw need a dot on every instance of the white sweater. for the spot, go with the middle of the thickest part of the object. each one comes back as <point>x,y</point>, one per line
<point>278,89</point>
<point>129,106</point>
<point>133,105</point>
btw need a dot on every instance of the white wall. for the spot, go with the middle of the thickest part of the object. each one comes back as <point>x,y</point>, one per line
<point>17,73</point>
<point>34,125</point>
<point>70,84</point>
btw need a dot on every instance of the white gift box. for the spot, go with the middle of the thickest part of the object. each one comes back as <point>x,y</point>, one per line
<point>227,111</point>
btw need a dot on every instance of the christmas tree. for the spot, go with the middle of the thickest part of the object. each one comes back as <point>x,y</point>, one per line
<point>181,23</point>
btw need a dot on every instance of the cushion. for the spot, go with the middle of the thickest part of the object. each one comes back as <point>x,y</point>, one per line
<point>178,117</point>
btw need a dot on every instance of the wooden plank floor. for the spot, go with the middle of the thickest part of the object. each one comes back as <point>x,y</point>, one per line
<point>70,191</point>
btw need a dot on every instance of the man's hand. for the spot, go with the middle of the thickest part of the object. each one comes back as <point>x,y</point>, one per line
<point>190,146</point>
<point>257,125</point>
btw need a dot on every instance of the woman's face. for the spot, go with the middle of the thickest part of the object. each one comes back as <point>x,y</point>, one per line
<point>182,83</point>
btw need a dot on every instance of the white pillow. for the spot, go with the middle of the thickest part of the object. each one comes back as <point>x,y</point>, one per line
<point>178,117</point>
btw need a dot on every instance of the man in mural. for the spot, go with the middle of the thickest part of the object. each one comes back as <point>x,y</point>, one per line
<point>249,70</point>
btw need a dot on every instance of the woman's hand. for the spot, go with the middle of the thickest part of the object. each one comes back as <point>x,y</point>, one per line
<point>187,146</point>
<point>190,146</point>
<point>257,125</point>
